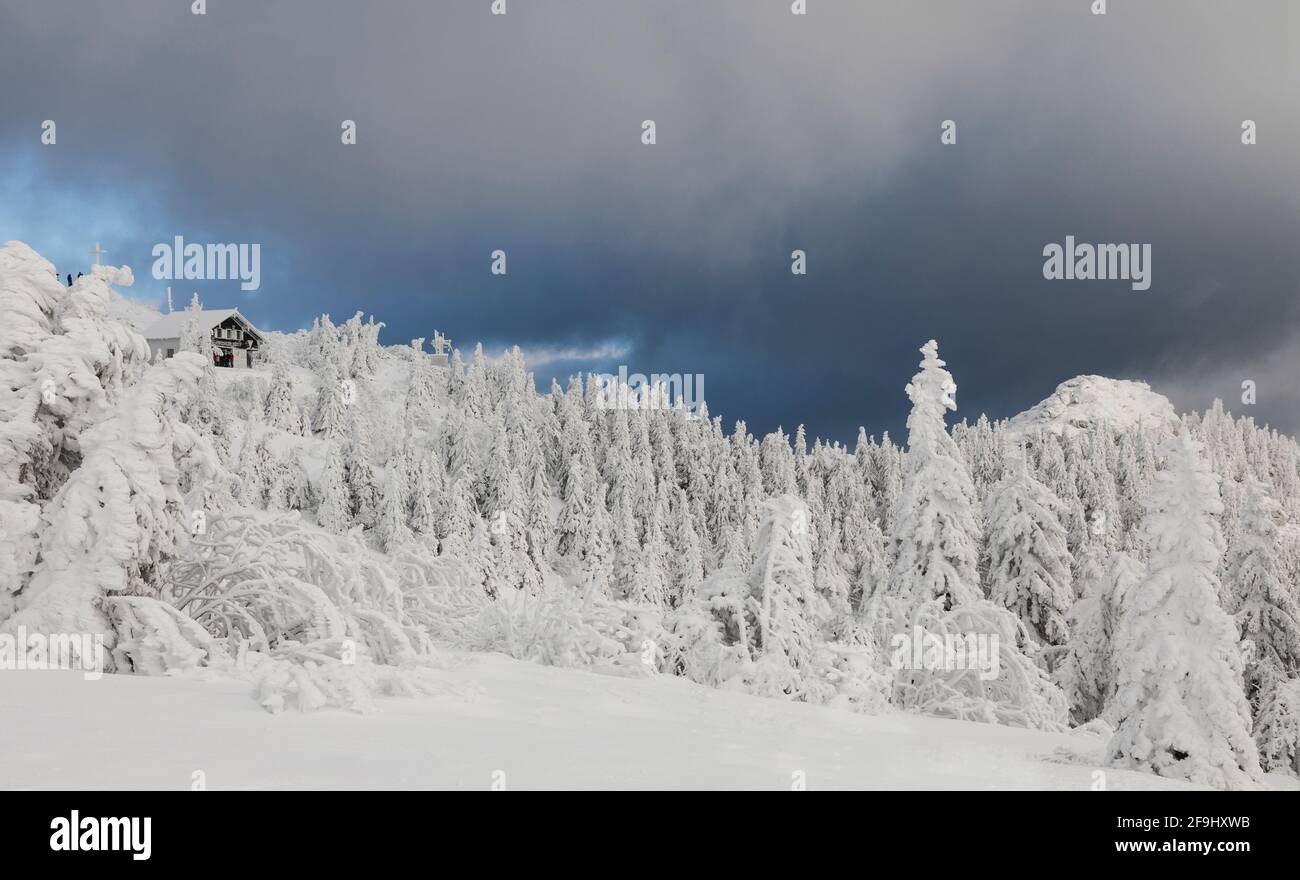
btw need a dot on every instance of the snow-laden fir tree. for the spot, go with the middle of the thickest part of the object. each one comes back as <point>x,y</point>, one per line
<point>936,535</point>
<point>334,511</point>
<point>331,416</point>
<point>1268,622</point>
<point>777,465</point>
<point>886,481</point>
<point>290,488</point>
<point>538,527</point>
<point>785,609</point>
<point>421,394</point>
<point>934,583</point>
<point>687,558</point>
<point>1028,561</point>
<point>256,470</point>
<point>195,336</point>
<point>1259,599</point>
<point>630,568</point>
<point>281,409</point>
<point>1085,673</point>
<point>575,516</point>
<point>461,522</point>
<point>1179,707</point>
<point>1277,728</point>
<point>833,584</point>
<point>392,528</point>
<point>363,488</point>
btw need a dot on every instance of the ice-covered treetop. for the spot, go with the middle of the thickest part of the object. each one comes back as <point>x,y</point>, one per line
<point>934,383</point>
<point>932,392</point>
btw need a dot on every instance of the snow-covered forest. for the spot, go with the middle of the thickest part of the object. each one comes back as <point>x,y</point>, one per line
<point>324,524</point>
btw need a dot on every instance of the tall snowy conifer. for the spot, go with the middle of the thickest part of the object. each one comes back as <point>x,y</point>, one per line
<point>392,527</point>
<point>935,530</point>
<point>334,513</point>
<point>1179,705</point>
<point>1029,563</point>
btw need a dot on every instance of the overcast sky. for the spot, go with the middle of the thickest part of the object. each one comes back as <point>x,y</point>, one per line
<point>775,132</point>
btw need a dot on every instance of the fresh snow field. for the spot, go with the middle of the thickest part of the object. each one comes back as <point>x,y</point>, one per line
<point>544,727</point>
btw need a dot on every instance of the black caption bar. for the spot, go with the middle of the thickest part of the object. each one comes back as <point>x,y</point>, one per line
<point>136,830</point>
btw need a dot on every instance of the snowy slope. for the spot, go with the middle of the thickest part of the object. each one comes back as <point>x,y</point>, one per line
<point>366,512</point>
<point>544,727</point>
<point>1084,401</point>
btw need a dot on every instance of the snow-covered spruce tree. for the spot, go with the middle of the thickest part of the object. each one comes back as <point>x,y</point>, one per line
<point>1277,729</point>
<point>334,513</point>
<point>503,495</point>
<point>281,409</point>
<point>1085,673</point>
<point>575,515</point>
<point>422,393</point>
<point>777,465</point>
<point>323,347</point>
<point>392,528</point>
<point>618,470</point>
<point>934,584</point>
<point>627,562</point>
<point>872,557</point>
<point>331,417</point>
<point>203,411</point>
<point>255,469</point>
<point>984,455</point>
<point>1028,560</point>
<point>833,584</point>
<point>461,522</point>
<point>538,528</point>
<point>596,553</point>
<point>119,517</point>
<point>935,532</point>
<point>363,488</point>
<point>1259,599</point>
<point>195,337</point>
<point>358,350</point>
<point>420,500</point>
<point>473,393</point>
<point>1179,707</point>
<point>765,631</point>
<point>1268,622</point>
<point>505,510</point>
<point>785,611</point>
<point>663,447</point>
<point>650,586</point>
<point>290,488</point>
<point>482,558</point>
<point>886,481</point>
<point>1100,505</point>
<point>460,451</point>
<point>686,562</point>
<point>846,500</point>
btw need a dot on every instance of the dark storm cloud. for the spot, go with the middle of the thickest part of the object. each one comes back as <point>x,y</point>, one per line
<point>775,132</point>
